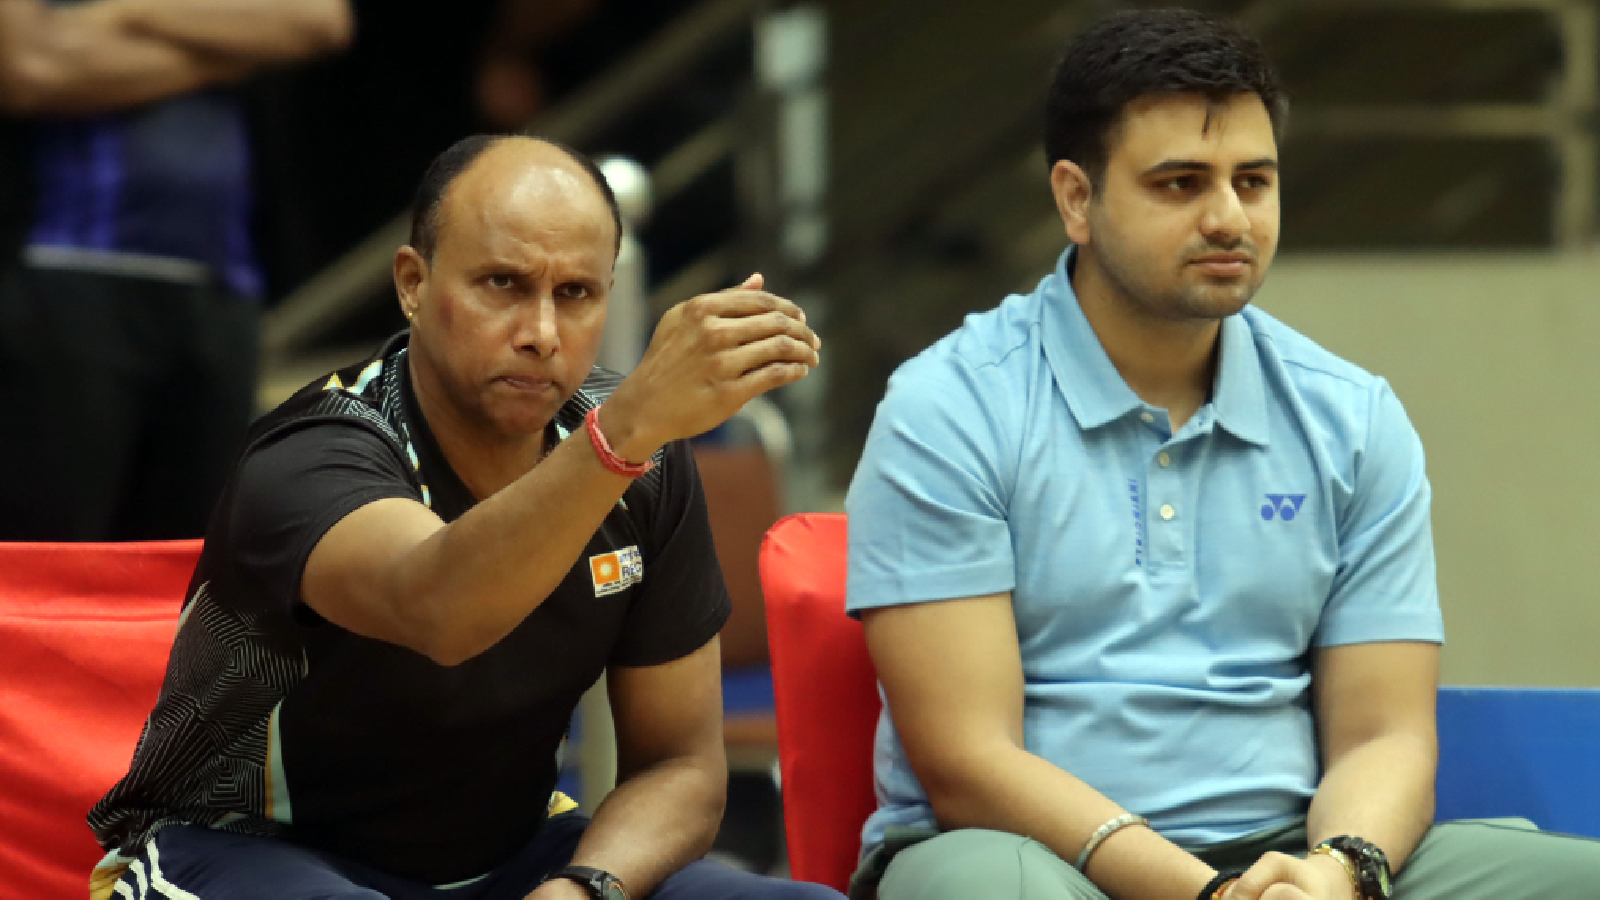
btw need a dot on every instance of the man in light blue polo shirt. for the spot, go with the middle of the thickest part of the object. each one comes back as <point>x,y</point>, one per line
<point>1147,576</point>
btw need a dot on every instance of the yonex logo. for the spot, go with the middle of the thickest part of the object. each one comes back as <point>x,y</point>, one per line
<point>1284,506</point>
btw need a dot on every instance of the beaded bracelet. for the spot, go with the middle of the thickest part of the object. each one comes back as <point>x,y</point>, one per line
<point>608,457</point>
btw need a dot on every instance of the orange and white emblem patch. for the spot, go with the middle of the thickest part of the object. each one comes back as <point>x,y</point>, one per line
<point>616,571</point>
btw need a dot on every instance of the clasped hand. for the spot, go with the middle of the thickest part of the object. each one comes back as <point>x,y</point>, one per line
<point>1278,876</point>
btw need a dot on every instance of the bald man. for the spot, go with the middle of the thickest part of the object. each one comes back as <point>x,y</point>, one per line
<point>423,560</point>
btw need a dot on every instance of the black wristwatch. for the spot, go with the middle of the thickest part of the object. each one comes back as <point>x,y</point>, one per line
<point>600,884</point>
<point>1372,866</point>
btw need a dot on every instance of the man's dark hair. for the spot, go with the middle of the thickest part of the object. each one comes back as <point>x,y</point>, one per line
<point>1138,53</point>
<point>460,156</point>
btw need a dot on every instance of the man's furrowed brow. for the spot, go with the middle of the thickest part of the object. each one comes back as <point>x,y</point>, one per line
<point>501,264</point>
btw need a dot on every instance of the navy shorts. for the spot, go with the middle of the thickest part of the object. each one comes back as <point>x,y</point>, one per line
<point>191,863</point>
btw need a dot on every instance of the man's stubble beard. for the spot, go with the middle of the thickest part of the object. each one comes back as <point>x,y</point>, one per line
<point>1182,302</point>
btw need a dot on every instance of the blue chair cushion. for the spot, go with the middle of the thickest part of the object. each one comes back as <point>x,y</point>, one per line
<point>747,690</point>
<point>1529,752</point>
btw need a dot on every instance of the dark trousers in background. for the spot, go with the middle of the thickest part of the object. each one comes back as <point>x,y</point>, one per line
<point>123,403</point>
<point>184,862</point>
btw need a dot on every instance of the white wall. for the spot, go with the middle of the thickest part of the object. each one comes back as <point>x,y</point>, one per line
<point>1497,360</point>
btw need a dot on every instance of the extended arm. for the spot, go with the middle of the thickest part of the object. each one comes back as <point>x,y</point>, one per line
<point>393,571</point>
<point>672,775</point>
<point>952,673</point>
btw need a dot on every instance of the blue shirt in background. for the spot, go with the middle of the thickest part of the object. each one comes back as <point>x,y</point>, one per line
<point>1166,587</point>
<point>168,181</point>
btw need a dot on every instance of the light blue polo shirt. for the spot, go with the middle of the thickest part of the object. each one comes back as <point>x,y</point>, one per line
<point>1166,587</point>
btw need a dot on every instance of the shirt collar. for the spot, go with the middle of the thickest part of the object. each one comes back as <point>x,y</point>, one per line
<point>1239,396</point>
<point>1096,392</point>
<point>1094,389</point>
<point>450,497</point>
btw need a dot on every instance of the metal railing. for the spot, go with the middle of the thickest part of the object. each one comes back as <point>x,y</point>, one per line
<point>778,140</point>
<point>1566,118</point>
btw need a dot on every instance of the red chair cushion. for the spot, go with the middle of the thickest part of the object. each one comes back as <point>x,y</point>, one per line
<point>826,694</point>
<point>85,630</point>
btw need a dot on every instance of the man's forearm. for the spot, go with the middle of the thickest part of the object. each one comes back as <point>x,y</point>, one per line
<point>507,553</point>
<point>1380,791</point>
<point>1009,789</point>
<point>656,822</point>
<point>252,32</point>
<point>74,61</point>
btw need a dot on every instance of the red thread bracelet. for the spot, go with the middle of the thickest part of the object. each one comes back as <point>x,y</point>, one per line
<point>608,457</point>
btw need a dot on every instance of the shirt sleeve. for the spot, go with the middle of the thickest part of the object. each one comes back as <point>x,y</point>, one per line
<point>291,491</point>
<point>683,601</point>
<point>928,505</point>
<point>1386,586</point>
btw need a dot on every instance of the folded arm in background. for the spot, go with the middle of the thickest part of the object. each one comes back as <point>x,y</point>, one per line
<point>106,55</point>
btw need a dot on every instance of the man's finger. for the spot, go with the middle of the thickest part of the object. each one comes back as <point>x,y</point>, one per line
<point>1242,891</point>
<point>745,329</point>
<point>779,348</point>
<point>735,302</point>
<point>772,375</point>
<point>753,283</point>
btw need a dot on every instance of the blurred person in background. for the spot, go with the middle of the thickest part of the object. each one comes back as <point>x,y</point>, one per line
<point>510,81</point>
<point>129,284</point>
<point>419,78</point>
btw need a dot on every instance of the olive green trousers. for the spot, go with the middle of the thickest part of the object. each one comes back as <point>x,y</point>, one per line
<point>1487,859</point>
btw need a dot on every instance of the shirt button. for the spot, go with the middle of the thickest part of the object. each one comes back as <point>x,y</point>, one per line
<point>1163,459</point>
<point>1167,512</point>
<point>1146,418</point>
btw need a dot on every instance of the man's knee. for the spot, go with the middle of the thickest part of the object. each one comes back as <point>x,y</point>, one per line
<point>709,880</point>
<point>798,890</point>
<point>976,862</point>
<point>191,861</point>
<point>1498,858</point>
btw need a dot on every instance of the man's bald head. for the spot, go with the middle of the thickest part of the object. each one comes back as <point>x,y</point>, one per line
<point>428,205</point>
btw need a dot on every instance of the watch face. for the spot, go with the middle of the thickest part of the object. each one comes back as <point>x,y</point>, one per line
<point>1379,870</point>
<point>614,891</point>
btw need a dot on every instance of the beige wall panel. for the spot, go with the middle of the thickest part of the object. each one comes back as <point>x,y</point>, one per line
<point>1497,360</point>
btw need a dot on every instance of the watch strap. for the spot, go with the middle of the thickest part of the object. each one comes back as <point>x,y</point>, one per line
<point>1344,861</point>
<point>596,881</point>
<point>1371,864</point>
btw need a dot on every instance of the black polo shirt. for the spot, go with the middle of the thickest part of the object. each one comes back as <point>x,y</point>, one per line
<point>275,721</point>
